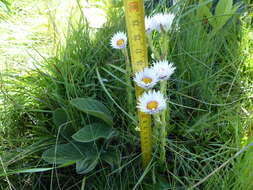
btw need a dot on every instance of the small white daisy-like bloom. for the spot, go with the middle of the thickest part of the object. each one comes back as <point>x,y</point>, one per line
<point>163,69</point>
<point>149,25</point>
<point>146,79</point>
<point>164,20</point>
<point>119,40</point>
<point>152,102</point>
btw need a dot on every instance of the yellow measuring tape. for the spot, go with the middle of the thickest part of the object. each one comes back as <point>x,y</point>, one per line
<point>134,12</point>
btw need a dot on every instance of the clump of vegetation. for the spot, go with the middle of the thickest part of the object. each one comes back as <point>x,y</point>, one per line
<point>68,124</point>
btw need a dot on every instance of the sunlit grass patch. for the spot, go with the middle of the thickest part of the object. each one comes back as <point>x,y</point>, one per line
<point>22,34</point>
<point>210,104</point>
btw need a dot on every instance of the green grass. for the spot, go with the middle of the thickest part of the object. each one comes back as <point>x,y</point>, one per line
<point>210,103</point>
<point>24,33</point>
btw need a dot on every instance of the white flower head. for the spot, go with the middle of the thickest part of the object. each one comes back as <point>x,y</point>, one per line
<point>164,20</point>
<point>163,69</point>
<point>146,79</point>
<point>119,40</point>
<point>152,102</point>
<point>149,25</point>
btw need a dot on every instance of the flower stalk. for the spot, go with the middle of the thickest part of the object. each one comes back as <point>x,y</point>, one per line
<point>150,102</point>
<point>165,45</point>
<point>151,45</point>
<point>128,77</point>
<point>160,137</point>
<point>164,120</point>
<point>164,115</point>
<point>157,126</point>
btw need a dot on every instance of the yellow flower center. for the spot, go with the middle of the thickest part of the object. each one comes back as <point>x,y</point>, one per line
<point>120,42</point>
<point>146,80</point>
<point>152,105</point>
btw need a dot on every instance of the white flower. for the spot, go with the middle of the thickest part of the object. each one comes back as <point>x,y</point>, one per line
<point>146,79</point>
<point>164,20</point>
<point>119,40</point>
<point>152,102</point>
<point>163,69</point>
<point>149,25</point>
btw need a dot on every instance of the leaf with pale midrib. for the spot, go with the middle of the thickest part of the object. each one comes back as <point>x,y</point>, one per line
<point>93,107</point>
<point>63,153</point>
<point>86,165</point>
<point>60,117</point>
<point>93,132</point>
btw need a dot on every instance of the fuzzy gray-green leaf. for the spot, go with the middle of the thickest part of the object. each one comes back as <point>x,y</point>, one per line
<point>87,164</point>
<point>93,107</point>
<point>60,117</point>
<point>93,132</point>
<point>112,157</point>
<point>63,153</point>
<point>223,7</point>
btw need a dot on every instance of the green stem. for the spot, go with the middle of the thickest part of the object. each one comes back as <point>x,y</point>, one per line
<point>154,51</point>
<point>165,45</point>
<point>130,98</point>
<point>164,114</point>
<point>160,137</point>
<point>164,119</point>
<point>163,142</point>
<point>157,126</point>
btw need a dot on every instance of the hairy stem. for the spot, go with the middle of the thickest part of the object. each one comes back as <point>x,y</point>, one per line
<point>128,75</point>
<point>154,51</point>
<point>165,45</point>
<point>164,124</point>
<point>157,126</point>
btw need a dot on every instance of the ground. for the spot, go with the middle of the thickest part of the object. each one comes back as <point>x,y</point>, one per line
<point>24,35</point>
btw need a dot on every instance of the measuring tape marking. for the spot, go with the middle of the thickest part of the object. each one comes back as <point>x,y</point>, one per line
<point>134,10</point>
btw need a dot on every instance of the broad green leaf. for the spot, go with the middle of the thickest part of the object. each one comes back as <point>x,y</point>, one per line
<point>66,132</point>
<point>204,12</point>
<point>63,153</point>
<point>112,158</point>
<point>223,7</point>
<point>87,164</point>
<point>93,107</point>
<point>93,132</point>
<point>60,117</point>
<point>222,12</point>
<point>188,12</point>
<point>222,18</point>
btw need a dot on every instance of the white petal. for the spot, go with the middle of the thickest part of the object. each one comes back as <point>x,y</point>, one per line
<point>148,97</point>
<point>116,37</point>
<point>146,73</point>
<point>163,19</point>
<point>149,25</point>
<point>163,69</point>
